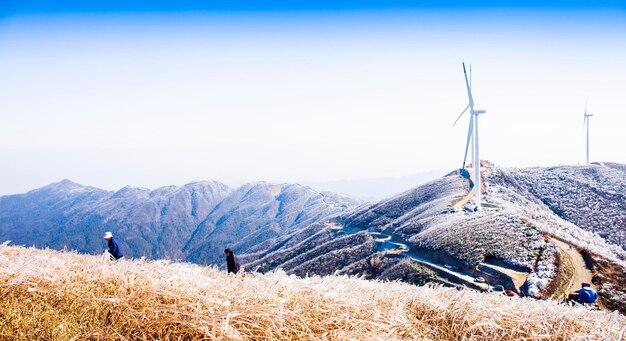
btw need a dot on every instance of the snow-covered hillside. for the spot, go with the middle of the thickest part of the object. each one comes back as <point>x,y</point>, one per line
<point>516,241</point>
<point>591,197</point>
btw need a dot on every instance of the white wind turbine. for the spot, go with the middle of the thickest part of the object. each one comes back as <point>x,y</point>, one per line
<point>586,125</point>
<point>472,136</point>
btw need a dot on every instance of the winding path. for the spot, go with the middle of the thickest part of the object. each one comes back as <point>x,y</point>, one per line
<point>573,263</point>
<point>577,263</point>
<point>470,193</point>
<point>394,247</point>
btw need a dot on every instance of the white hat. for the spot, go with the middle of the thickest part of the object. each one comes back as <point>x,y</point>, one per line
<point>108,235</point>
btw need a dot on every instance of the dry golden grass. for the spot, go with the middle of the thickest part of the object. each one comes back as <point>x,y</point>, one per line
<point>50,295</point>
<point>560,286</point>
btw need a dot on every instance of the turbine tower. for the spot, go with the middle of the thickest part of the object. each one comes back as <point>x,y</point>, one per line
<point>586,125</point>
<point>472,137</point>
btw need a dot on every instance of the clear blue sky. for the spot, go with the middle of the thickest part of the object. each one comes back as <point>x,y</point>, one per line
<point>60,6</point>
<point>153,93</point>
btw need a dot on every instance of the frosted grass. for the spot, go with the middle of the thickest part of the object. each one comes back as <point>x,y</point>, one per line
<point>63,296</point>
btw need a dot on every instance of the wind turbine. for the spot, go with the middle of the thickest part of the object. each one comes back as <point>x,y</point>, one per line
<point>586,125</point>
<point>472,136</point>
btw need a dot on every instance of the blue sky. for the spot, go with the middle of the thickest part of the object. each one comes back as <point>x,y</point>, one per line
<point>60,6</point>
<point>150,94</point>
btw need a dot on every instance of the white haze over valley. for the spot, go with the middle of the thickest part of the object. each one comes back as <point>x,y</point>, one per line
<point>375,188</point>
<point>120,101</point>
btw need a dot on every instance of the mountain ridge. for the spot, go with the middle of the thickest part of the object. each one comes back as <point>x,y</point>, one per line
<point>152,223</point>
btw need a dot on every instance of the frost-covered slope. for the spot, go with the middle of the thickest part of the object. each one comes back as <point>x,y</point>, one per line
<point>591,197</point>
<point>256,214</point>
<point>515,230</point>
<point>425,219</point>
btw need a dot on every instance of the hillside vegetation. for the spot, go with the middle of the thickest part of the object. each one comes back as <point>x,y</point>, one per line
<point>52,295</point>
<point>576,193</point>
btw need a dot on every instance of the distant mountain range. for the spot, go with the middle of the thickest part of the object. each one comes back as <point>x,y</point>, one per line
<point>194,222</point>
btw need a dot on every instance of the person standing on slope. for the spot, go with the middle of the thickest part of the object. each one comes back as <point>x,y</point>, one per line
<point>232,263</point>
<point>115,251</point>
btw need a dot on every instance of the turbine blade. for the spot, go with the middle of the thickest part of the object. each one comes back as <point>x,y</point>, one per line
<point>469,90</point>
<point>462,112</point>
<point>469,138</point>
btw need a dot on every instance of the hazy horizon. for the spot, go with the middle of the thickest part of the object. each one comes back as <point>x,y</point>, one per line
<point>149,94</point>
<point>358,188</point>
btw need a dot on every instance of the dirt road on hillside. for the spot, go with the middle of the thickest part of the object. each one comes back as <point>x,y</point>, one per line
<point>518,277</point>
<point>470,194</point>
<point>574,263</point>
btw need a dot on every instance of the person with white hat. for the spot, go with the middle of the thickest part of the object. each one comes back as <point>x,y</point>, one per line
<point>115,251</point>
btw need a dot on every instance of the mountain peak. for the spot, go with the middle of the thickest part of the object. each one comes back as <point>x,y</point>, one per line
<point>64,185</point>
<point>208,183</point>
<point>129,190</point>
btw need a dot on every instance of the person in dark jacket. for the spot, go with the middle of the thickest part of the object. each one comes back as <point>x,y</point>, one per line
<point>114,250</point>
<point>585,295</point>
<point>232,263</point>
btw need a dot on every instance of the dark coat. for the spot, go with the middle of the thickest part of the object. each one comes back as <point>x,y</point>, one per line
<point>232,263</point>
<point>115,249</point>
<point>587,295</point>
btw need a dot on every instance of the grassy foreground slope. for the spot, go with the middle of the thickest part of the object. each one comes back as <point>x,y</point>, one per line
<point>54,295</point>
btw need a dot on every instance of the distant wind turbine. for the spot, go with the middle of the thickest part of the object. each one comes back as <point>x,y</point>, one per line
<point>586,125</point>
<point>472,136</point>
